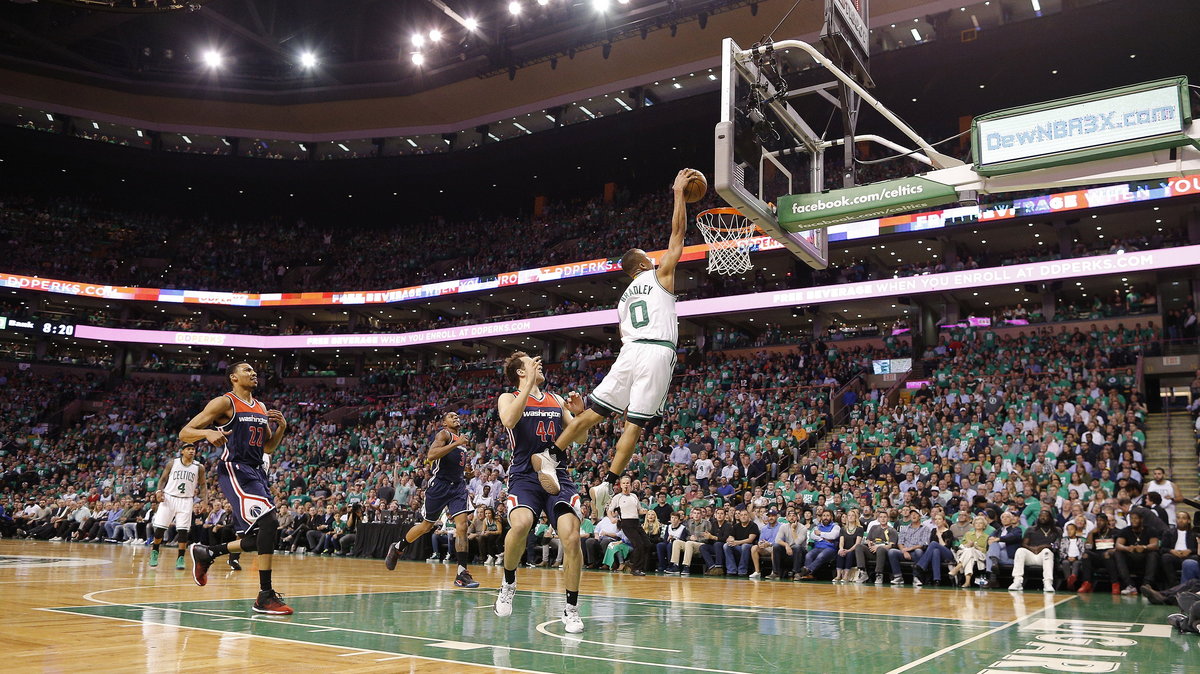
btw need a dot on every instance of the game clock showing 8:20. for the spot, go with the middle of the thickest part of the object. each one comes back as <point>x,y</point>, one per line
<point>36,326</point>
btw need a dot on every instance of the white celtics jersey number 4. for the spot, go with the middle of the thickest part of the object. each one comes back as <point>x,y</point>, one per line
<point>182,481</point>
<point>647,311</point>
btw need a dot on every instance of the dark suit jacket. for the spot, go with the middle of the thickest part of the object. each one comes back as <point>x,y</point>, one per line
<point>1170,537</point>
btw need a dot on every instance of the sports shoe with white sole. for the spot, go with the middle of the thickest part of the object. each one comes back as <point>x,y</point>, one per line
<point>504,600</point>
<point>601,494</point>
<point>571,619</point>
<point>547,471</point>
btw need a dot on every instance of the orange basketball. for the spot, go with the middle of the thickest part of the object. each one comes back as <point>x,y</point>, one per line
<point>696,188</point>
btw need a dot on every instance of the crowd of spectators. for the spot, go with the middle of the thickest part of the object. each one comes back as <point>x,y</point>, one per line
<point>1043,430</point>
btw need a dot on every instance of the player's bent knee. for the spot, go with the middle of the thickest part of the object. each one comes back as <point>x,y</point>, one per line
<point>268,531</point>
<point>520,518</point>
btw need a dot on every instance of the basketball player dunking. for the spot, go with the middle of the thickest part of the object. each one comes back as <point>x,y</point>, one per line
<point>447,490</point>
<point>177,493</point>
<point>533,417</point>
<point>636,386</point>
<point>242,426</point>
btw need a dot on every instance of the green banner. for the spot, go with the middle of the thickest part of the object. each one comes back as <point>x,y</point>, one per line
<point>799,212</point>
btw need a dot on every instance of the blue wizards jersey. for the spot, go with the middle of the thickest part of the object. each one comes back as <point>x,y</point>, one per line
<point>540,423</point>
<point>248,432</point>
<point>449,468</point>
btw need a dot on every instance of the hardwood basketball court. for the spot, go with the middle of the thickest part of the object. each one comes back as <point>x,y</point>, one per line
<point>100,607</point>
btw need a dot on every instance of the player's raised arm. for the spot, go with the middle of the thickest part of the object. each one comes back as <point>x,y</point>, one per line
<point>512,406</point>
<point>199,428</point>
<point>666,266</point>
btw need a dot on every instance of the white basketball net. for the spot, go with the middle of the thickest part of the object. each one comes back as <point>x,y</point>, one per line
<point>726,232</point>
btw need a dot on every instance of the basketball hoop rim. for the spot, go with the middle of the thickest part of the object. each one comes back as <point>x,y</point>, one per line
<point>748,228</point>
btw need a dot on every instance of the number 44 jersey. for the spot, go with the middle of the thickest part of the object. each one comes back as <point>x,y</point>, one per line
<point>540,423</point>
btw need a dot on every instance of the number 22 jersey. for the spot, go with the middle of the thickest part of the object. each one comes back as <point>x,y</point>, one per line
<point>248,432</point>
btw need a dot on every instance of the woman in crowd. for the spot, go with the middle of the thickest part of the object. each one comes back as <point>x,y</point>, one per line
<point>848,544</point>
<point>971,555</point>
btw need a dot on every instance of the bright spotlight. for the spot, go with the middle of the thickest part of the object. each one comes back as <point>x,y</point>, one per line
<point>212,58</point>
<point>418,58</point>
<point>435,35</point>
<point>308,60</point>
<point>418,40</point>
<point>600,5</point>
<point>514,8</point>
<point>543,3</point>
<point>471,23</point>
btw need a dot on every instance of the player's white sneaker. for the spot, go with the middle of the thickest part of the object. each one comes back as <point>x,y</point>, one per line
<point>547,471</point>
<point>571,619</point>
<point>601,494</point>
<point>504,600</point>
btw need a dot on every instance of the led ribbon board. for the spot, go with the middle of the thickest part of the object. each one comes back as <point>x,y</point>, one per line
<point>1033,272</point>
<point>1128,120</point>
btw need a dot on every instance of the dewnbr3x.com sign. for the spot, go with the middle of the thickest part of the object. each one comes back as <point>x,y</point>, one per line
<point>799,212</point>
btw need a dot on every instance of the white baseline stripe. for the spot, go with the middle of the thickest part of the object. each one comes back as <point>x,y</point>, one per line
<point>977,637</point>
<point>243,635</point>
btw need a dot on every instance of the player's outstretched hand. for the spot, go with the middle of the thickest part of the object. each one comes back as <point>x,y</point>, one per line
<point>681,180</point>
<point>575,403</point>
<point>216,438</point>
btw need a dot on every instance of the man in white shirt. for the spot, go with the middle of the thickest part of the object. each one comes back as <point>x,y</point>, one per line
<point>606,532</point>
<point>1167,489</point>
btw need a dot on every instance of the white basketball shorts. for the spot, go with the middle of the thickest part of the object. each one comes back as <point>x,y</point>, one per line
<point>174,510</point>
<point>638,381</point>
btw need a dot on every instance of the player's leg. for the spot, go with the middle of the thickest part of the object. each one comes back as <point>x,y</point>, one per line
<point>437,499</point>
<point>520,520</point>
<point>162,520</point>
<point>567,526</point>
<point>183,523</point>
<point>462,551</point>
<point>158,537</point>
<point>609,398</point>
<point>396,550</point>
<point>577,430</point>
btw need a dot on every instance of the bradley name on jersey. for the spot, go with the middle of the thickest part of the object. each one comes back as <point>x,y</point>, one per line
<point>636,289</point>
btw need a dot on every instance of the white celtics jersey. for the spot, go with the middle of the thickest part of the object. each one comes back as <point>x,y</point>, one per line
<point>182,481</point>
<point>647,311</point>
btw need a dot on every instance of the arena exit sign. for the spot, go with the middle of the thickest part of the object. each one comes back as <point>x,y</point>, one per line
<point>1128,120</point>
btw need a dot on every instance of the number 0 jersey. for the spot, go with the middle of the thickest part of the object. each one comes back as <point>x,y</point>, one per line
<point>541,422</point>
<point>647,311</point>
<point>181,481</point>
<point>248,432</point>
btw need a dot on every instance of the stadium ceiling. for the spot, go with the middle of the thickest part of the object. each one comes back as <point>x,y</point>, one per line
<point>326,46</point>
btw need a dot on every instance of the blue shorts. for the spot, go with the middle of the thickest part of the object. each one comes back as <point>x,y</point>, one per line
<point>524,491</point>
<point>247,490</point>
<point>441,496</point>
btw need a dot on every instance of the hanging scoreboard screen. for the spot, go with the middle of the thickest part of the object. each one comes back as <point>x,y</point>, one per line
<point>1128,120</point>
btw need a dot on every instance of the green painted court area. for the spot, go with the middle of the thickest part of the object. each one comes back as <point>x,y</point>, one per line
<point>1093,634</point>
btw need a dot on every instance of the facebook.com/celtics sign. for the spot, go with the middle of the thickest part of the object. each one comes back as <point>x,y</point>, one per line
<point>799,212</point>
<point>1102,125</point>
